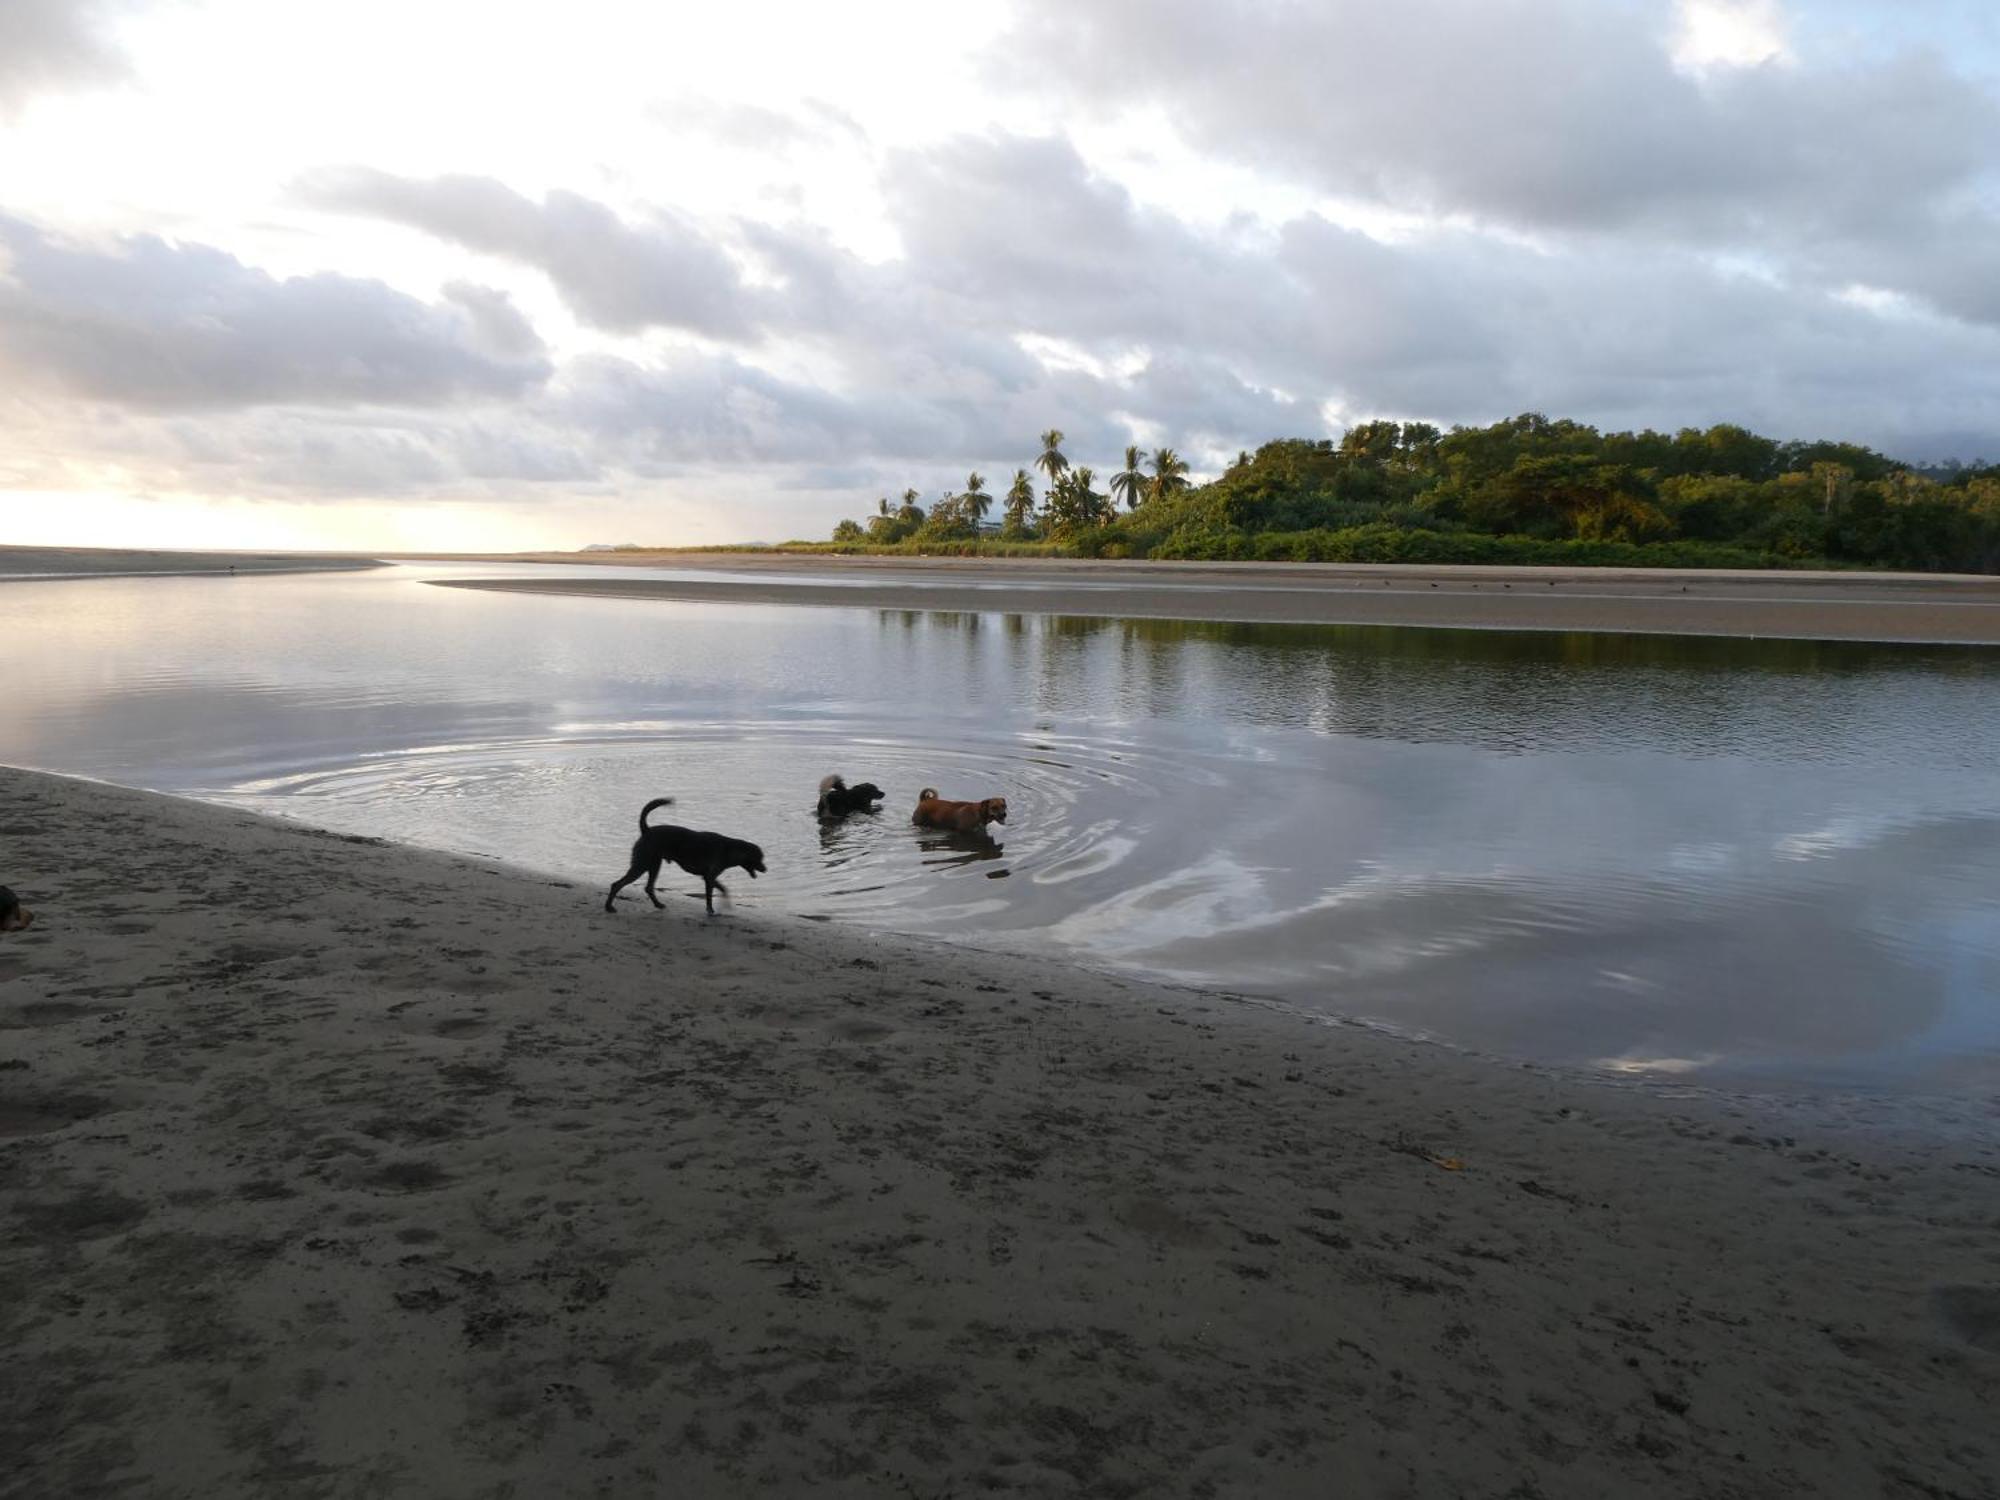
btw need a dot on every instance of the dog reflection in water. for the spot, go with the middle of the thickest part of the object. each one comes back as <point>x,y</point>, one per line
<point>948,847</point>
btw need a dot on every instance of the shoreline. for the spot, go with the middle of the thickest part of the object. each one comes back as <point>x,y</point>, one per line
<point>35,564</point>
<point>1897,608</point>
<point>334,1157</point>
<point>779,562</point>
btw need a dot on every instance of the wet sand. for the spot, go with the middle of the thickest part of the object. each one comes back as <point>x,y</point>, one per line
<point>335,1167</point>
<point>1939,608</point>
<point>90,562</point>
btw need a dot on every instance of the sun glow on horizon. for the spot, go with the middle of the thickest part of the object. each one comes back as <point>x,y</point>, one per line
<point>86,518</point>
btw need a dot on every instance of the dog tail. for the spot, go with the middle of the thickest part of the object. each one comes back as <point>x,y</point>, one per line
<point>928,794</point>
<point>646,811</point>
<point>833,783</point>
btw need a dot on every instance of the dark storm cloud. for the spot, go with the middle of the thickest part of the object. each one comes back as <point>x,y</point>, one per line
<point>150,324</point>
<point>613,275</point>
<point>52,44</point>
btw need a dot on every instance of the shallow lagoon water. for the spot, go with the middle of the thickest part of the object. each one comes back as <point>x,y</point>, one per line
<point>1773,861</point>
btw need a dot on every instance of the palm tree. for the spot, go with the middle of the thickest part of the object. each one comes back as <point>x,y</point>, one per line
<point>1020,511</point>
<point>1052,462</point>
<point>1129,482</point>
<point>977,501</point>
<point>1169,474</point>
<point>1092,508</point>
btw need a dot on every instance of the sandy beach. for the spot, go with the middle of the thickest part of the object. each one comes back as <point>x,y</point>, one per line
<point>1941,608</point>
<point>341,1168</point>
<point>91,562</point>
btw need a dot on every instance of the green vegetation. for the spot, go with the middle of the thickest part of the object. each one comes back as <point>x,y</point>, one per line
<point>1526,490</point>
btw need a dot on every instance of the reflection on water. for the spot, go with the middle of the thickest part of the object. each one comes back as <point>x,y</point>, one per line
<point>946,850</point>
<point>1499,689</point>
<point>1652,853</point>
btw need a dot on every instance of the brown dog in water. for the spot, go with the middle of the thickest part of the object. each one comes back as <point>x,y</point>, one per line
<point>14,917</point>
<point>934,811</point>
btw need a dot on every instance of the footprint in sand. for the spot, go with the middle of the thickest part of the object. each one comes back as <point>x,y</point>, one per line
<point>68,1221</point>
<point>861,1031</point>
<point>1971,1312</point>
<point>47,1013</point>
<point>406,1177</point>
<point>19,1117</point>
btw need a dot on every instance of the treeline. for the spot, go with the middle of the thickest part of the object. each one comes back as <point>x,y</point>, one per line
<point>1070,505</point>
<point>1526,490</point>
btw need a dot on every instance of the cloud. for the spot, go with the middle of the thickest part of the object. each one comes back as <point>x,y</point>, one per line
<point>1567,119</point>
<point>613,275</point>
<point>1634,212</point>
<point>1035,291</point>
<point>755,128</point>
<point>52,44</point>
<point>154,325</point>
<point>1729,33</point>
<point>1451,325</point>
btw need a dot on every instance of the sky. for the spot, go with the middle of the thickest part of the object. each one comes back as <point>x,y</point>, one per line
<point>493,277</point>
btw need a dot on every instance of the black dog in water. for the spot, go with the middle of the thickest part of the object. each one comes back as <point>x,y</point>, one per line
<point>837,799</point>
<point>703,854</point>
<point>14,917</point>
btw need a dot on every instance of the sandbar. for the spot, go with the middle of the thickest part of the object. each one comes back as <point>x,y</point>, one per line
<point>1934,608</point>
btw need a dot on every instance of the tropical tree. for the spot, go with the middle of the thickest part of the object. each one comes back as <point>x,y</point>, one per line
<point>1129,483</point>
<point>950,518</point>
<point>1052,462</point>
<point>910,511</point>
<point>1093,508</point>
<point>1074,505</point>
<point>1020,510</point>
<point>977,501</point>
<point>1169,475</point>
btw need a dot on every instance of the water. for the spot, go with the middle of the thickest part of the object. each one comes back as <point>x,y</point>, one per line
<point>1762,860</point>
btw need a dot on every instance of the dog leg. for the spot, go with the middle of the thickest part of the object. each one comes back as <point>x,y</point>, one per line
<point>652,880</point>
<point>708,892</point>
<point>630,875</point>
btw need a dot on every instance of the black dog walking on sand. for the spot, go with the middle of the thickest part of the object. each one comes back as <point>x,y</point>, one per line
<point>699,853</point>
